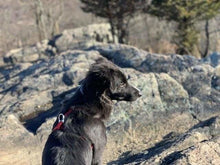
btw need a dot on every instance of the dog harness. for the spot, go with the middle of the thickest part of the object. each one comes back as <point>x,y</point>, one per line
<point>61,119</point>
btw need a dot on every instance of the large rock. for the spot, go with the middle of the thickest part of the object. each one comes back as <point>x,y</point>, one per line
<point>33,53</point>
<point>179,94</point>
<point>79,38</point>
<point>83,37</point>
<point>199,79</point>
<point>30,87</point>
<point>18,145</point>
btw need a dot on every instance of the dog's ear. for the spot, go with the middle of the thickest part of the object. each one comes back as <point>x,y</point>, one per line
<point>96,82</point>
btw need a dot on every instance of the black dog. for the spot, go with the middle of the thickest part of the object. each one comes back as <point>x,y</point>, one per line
<point>80,138</point>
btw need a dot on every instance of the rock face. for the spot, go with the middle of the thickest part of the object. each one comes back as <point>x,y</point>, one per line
<point>198,145</point>
<point>84,37</point>
<point>34,53</point>
<point>176,121</point>
<point>79,38</point>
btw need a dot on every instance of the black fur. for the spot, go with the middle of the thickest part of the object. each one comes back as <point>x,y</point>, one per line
<point>82,139</point>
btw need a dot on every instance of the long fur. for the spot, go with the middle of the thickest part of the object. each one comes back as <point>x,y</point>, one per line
<point>82,139</point>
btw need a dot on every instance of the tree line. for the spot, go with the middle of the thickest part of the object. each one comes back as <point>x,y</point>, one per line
<point>185,13</point>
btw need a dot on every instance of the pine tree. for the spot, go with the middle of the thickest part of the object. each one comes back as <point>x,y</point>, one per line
<point>185,13</point>
<point>117,12</point>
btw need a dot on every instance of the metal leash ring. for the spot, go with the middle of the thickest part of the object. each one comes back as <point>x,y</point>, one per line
<point>61,118</point>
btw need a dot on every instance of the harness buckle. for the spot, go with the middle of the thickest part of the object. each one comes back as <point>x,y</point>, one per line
<point>61,118</point>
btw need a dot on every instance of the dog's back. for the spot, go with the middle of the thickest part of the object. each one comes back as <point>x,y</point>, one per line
<point>81,142</point>
<point>57,153</point>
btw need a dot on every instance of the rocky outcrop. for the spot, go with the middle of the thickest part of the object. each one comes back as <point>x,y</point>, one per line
<point>199,79</point>
<point>79,38</point>
<point>180,95</point>
<point>33,53</point>
<point>83,37</point>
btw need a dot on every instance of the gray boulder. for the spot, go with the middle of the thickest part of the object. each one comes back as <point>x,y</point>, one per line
<point>83,37</point>
<point>179,92</point>
<point>79,38</point>
<point>33,53</point>
<point>213,59</point>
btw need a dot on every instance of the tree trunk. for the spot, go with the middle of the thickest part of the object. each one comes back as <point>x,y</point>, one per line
<point>112,29</point>
<point>39,13</point>
<point>123,32</point>
<point>207,39</point>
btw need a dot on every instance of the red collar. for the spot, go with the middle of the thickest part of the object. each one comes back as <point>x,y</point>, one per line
<point>61,119</point>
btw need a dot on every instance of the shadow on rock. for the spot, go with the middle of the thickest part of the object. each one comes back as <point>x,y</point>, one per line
<point>33,123</point>
<point>166,143</point>
<point>171,158</point>
<point>205,123</point>
<point>170,140</point>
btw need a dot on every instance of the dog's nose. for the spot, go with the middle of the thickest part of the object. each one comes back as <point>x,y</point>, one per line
<point>139,94</point>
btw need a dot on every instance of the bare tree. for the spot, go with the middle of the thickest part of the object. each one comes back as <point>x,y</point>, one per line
<point>39,18</point>
<point>47,21</point>
<point>207,39</point>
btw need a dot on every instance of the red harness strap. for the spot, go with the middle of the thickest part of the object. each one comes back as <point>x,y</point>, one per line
<point>61,119</point>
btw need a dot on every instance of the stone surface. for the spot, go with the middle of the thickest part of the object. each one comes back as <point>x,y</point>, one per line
<point>199,145</point>
<point>79,38</point>
<point>34,53</point>
<point>28,88</point>
<point>83,37</point>
<point>176,120</point>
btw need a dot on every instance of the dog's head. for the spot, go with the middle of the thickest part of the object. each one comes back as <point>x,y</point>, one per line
<point>106,78</point>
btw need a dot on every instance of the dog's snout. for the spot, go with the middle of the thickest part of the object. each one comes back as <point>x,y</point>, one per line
<point>139,94</point>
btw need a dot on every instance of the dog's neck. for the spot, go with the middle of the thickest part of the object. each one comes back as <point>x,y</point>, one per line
<point>98,107</point>
<point>101,107</point>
